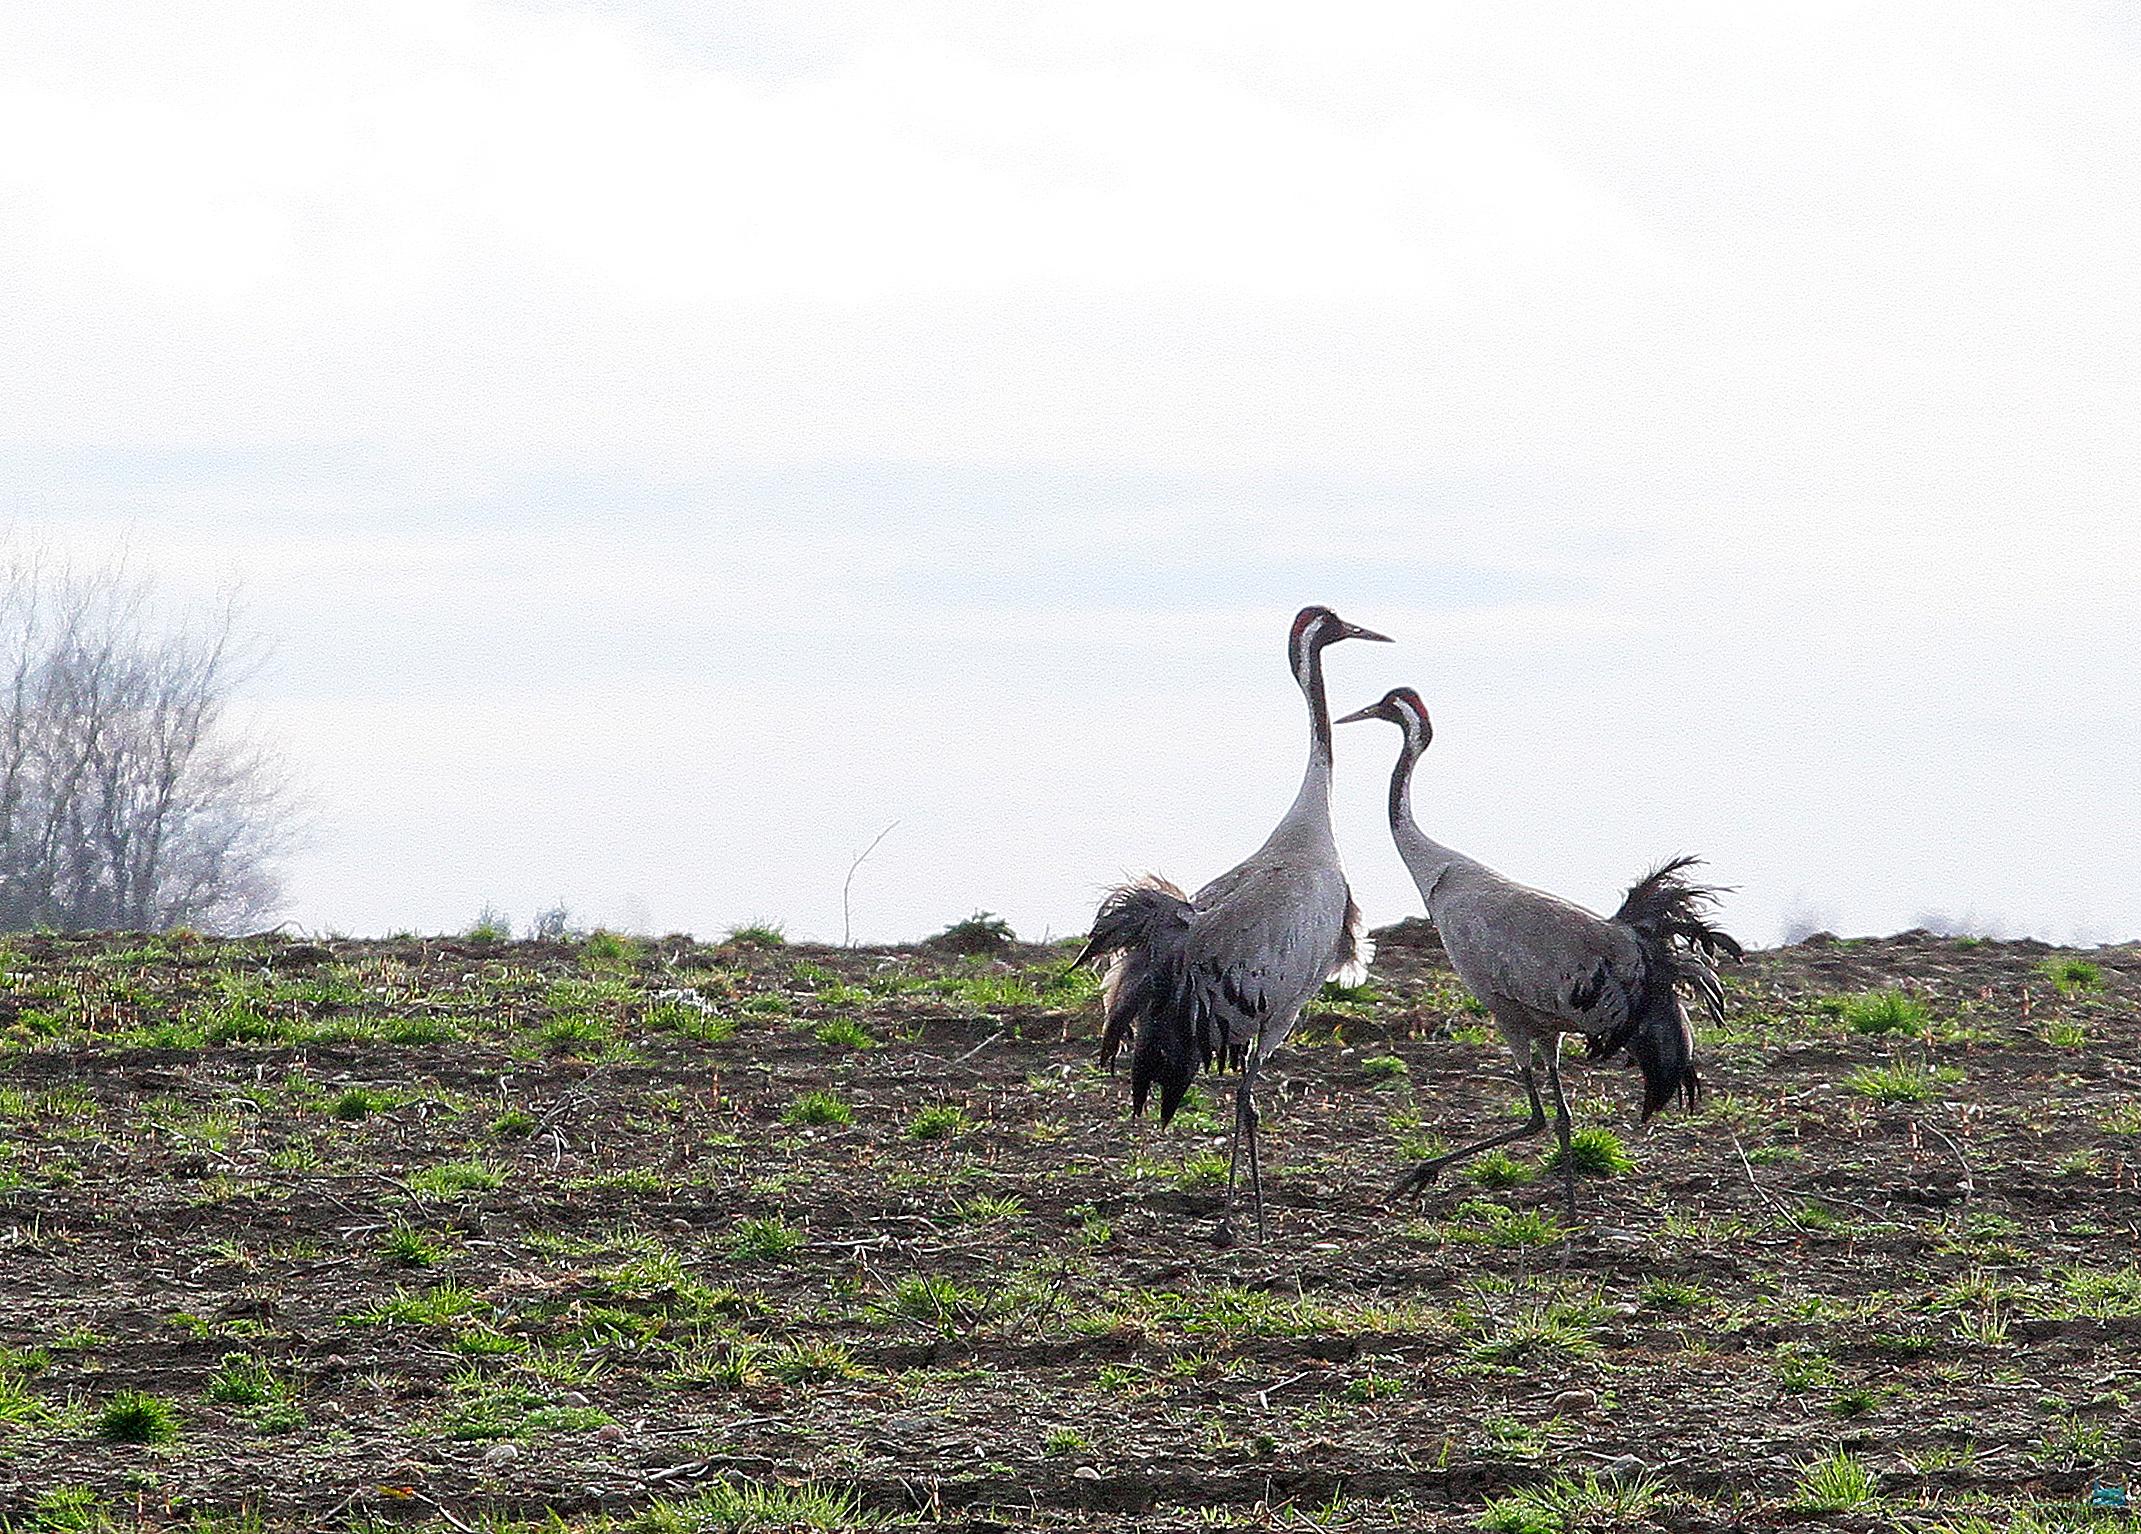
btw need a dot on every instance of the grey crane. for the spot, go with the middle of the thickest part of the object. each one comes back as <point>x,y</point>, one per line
<point>1546,967</point>
<point>1218,979</point>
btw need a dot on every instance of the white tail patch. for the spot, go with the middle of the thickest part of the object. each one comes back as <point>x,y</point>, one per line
<point>1358,944</point>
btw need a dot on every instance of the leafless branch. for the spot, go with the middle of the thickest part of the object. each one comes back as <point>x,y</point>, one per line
<point>847,935</point>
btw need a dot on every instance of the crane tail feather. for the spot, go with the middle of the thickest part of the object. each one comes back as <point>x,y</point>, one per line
<point>1141,935</point>
<point>1356,950</point>
<point>1670,917</point>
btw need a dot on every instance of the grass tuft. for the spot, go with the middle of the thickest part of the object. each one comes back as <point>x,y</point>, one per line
<point>1595,1153</point>
<point>1883,1012</point>
<point>134,1416</point>
<point>1899,1081</point>
<point>763,1239</point>
<point>2071,977</point>
<point>940,1121</point>
<point>824,1108</point>
<point>410,1247</point>
<point>1838,1484</point>
<point>1567,1502</point>
<point>843,1033</point>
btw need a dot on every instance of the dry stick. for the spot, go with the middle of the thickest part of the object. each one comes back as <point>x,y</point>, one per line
<point>978,1048</point>
<point>1766,1196</point>
<point>1262,1396</point>
<point>847,936</point>
<point>1969,1177</point>
<point>444,1513</point>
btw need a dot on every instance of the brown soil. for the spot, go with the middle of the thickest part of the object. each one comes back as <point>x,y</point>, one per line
<point>1024,1323</point>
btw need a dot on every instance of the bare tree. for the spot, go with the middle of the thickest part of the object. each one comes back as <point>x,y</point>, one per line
<point>126,800</point>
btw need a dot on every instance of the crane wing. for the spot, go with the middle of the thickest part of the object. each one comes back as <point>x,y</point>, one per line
<point>1263,939</point>
<point>1512,943</point>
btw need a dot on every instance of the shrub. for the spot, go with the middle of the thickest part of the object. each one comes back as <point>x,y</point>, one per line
<point>981,933</point>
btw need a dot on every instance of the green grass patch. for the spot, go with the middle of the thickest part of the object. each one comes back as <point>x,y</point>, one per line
<point>441,1305</point>
<point>1901,1081</point>
<point>1565,1503</point>
<point>411,1248</point>
<point>762,1240</point>
<point>452,1177</point>
<point>243,1380</point>
<point>1498,1171</point>
<point>2071,976</point>
<point>819,1108</point>
<point>357,1103</point>
<point>1594,1153</point>
<point>1881,1012</point>
<point>744,1508</point>
<point>1837,1484</point>
<point>134,1416</point>
<point>843,1033</point>
<point>940,1121</point>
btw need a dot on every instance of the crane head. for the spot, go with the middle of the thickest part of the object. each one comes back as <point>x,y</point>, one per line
<point>1403,708</point>
<point>1315,627</point>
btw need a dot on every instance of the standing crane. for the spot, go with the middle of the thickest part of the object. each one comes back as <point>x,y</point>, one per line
<point>1546,967</point>
<point>1217,980</point>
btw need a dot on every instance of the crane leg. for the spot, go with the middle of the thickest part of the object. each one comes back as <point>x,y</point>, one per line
<point>1244,1130</point>
<point>1561,1129</point>
<point>1418,1179</point>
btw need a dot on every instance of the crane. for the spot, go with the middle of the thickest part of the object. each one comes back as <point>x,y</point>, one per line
<point>1218,979</point>
<point>1545,967</point>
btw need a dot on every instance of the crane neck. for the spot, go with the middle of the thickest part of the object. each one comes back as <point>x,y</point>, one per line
<point>1401,792</point>
<point>1426,860</point>
<point>1315,792</point>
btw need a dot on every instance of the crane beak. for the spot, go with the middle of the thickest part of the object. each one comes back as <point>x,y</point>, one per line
<point>1355,631</point>
<point>1372,711</point>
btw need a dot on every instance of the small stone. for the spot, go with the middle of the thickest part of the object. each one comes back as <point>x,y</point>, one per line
<point>501,1454</point>
<point>1085,1473</point>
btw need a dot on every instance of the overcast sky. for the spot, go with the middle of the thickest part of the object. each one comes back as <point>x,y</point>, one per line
<point>667,443</point>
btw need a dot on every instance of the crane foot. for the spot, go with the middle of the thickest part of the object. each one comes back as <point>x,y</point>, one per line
<point>1417,1181</point>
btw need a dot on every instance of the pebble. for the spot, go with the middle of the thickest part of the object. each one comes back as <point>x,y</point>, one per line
<point>1085,1473</point>
<point>501,1454</point>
